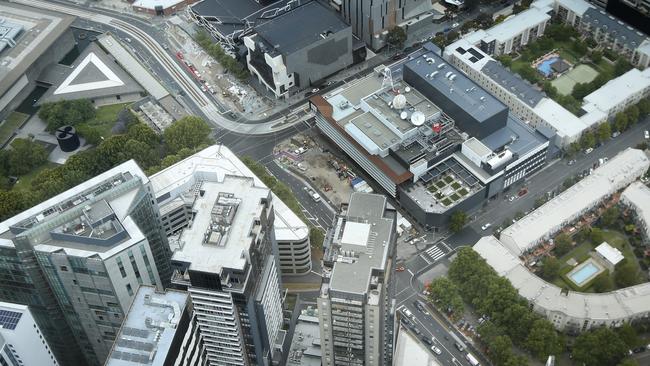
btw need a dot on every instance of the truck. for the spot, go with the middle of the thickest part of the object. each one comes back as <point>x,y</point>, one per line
<point>472,360</point>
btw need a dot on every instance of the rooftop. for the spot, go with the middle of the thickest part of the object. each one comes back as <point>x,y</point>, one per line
<point>446,79</point>
<point>516,25</point>
<point>577,6</point>
<point>358,258</point>
<point>152,4</point>
<point>637,194</point>
<point>617,90</point>
<point>617,305</point>
<point>561,210</point>
<point>150,326</point>
<point>41,28</point>
<point>91,218</point>
<point>280,32</point>
<point>518,136</point>
<point>409,351</point>
<point>610,253</point>
<point>618,30</point>
<point>305,345</point>
<point>513,83</point>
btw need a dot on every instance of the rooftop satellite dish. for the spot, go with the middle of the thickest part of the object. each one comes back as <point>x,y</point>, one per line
<point>403,115</point>
<point>399,101</point>
<point>407,89</point>
<point>417,118</point>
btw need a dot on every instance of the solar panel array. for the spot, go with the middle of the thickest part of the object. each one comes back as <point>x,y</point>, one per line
<point>9,319</point>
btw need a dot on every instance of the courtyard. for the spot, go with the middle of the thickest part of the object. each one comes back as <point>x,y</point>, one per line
<point>580,74</point>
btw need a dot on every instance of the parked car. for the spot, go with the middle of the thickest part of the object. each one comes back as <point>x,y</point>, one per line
<point>427,341</point>
<point>436,350</point>
<point>646,134</point>
<point>486,226</point>
<point>455,25</point>
<point>588,151</point>
<point>615,134</point>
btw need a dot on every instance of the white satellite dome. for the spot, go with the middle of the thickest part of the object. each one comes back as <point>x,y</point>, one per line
<point>403,115</point>
<point>407,89</point>
<point>399,101</point>
<point>417,118</point>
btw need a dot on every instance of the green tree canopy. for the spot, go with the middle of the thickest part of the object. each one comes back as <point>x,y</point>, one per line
<point>444,293</point>
<point>396,37</point>
<point>604,131</point>
<point>543,340</point>
<point>626,275</point>
<point>550,268</point>
<point>587,140</point>
<point>188,132</point>
<point>24,156</point>
<point>596,236</point>
<point>457,221</point>
<point>562,244</point>
<point>601,346</point>
<point>66,112</point>
<point>610,216</point>
<point>603,283</point>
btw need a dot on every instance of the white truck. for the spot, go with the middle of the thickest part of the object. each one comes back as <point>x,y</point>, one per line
<point>472,360</point>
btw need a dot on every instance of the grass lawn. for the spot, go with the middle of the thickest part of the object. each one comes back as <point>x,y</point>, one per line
<point>25,181</point>
<point>105,118</point>
<point>455,197</point>
<point>462,192</point>
<point>619,241</point>
<point>446,202</point>
<point>448,179</point>
<point>13,121</point>
<point>455,185</point>
<point>440,184</point>
<point>580,74</point>
<point>432,189</point>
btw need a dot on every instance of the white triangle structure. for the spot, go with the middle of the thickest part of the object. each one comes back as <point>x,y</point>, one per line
<point>112,80</point>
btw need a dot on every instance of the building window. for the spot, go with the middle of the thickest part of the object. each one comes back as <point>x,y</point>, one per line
<point>129,289</point>
<point>121,266</point>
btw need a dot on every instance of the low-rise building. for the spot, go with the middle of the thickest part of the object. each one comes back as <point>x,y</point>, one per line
<point>619,94</point>
<point>21,338</point>
<point>608,255</point>
<point>410,351</point>
<point>539,225</point>
<point>160,7</point>
<point>354,302</point>
<point>306,345</point>
<point>285,60</point>
<point>155,330</point>
<point>636,197</point>
<point>175,189</point>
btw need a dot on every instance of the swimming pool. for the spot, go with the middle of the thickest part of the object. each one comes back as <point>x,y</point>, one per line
<point>584,273</point>
<point>545,66</point>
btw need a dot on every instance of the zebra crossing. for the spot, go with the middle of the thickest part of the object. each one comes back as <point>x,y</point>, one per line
<point>432,254</point>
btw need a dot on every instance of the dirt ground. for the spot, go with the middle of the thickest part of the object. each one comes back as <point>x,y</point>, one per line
<point>315,165</point>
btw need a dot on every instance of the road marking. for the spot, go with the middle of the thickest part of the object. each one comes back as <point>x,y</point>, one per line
<point>433,254</point>
<point>408,269</point>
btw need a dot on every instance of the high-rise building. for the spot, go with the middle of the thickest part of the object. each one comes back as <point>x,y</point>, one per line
<point>174,188</point>
<point>21,339</point>
<point>353,306</point>
<point>78,258</point>
<point>225,259</point>
<point>155,330</point>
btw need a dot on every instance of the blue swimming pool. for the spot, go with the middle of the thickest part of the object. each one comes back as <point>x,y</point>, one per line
<point>581,275</point>
<point>545,66</point>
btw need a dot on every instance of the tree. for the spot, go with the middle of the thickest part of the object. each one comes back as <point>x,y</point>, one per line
<point>529,74</point>
<point>505,60</point>
<point>452,35</point>
<point>24,156</point>
<point>90,134</point>
<point>543,340</point>
<point>596,236</point>
<point>316,237</point>
<point>588,140</point>
<point>457,221</point>
<point>550,268</point>
<point>596,56</point>
<point>603,283</point>
<point>632,114</point>
<point>143,133</point>
<point>628,362</point>
<point>444,293</point>
<point>621,67</point>
<point>626,275</point>
<point>501,349</point>
<point>620,122</point>
<point>189,132</point>
<point>66,112</point>
<point>601,346</point>
<point>562,244</point>
<point>644,107</point>
<point>396,37</point>
<point>610,216</point>
<point>628,334</point>
<point>604,131</point>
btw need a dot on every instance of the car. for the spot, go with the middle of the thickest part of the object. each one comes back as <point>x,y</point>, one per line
<point>615,134</point>
<point>407,312</point>
<point>512,198</point>
<point>455,25</point>
<point>417,331</point>
<point>436,350</point>
<point>486,226</point>
<point>418,306</point>
<point>646,134</point>
<point>398,56</point>
<point>315,90</point>
<point>399,269</point>
<point>427,341</point>
<point>588,151</point>
<point>459,346</point>
<point>571,162</point>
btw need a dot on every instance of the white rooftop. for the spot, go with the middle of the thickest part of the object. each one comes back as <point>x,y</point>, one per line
<point>610,253</point>
<point>561,210</point>
<point>617,305</point>
<point>616,91</point>
<point>638,195</point>
<point>577,6</point>
<point>109,79</point>
<point>356,233</point>
<point>564,122</point>
<point>151,4</point>
<point>513,26</point>
<point>409,351</point>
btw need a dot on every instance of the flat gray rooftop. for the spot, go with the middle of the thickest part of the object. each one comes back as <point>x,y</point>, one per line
<point>147,332</point>
<point>365,230</point>
<point>300,27</point>
<point>517,135</point>
<point>513,83</point>
<point>41,29</point>
<point>618,30</point>
<point>228,16</point>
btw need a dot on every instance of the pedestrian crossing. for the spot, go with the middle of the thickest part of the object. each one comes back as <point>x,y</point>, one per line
<point>432,254</point>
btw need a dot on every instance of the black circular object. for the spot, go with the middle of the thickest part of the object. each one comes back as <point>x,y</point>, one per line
<point>67,138</point>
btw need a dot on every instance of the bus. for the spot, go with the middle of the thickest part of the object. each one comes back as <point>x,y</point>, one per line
<point>472,360</point>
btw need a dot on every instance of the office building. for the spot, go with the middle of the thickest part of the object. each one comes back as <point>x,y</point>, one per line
<point>174,188</point>
<point>31,40</point>
<point>354,303</point>
<point>568,206</point>
<point>371,20</point>
<point>567,310</point>
<point>225,258</point>
<point>285,60</point>
<point>82,255</point>
<point>21,339</point>
<point>156,330</point>
<point>430,136</point>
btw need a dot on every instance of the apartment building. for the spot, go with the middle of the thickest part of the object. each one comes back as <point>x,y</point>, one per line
<point>80,256</point>
<point>353,306</point>
<point>21,339</point>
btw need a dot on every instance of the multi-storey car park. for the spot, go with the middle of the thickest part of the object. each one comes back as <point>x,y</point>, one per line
<point>176,189</point>
<point>473,55</point>
<point>429,136</point>
<point>571,310</point>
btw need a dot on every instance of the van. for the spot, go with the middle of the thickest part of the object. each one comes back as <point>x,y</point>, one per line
<point>316,197</point>
<point>472,360</point>
<point>407,312</point>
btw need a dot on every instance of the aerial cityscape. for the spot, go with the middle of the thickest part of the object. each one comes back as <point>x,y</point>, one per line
<point>324,182</point>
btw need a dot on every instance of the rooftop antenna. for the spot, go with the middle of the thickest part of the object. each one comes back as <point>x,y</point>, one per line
<point>388,79</point>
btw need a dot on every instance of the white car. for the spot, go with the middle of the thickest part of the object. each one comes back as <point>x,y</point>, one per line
<point>455,25</point>
<point>486,226</point>
<point>436,350</point>
<point>646,134</point>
